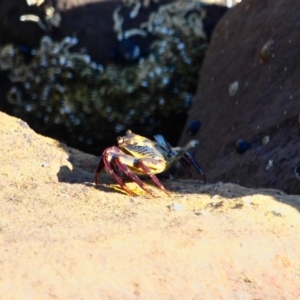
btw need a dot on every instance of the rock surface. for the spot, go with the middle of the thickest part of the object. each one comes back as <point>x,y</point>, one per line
<point>62,237</point>
<point>265,104</point>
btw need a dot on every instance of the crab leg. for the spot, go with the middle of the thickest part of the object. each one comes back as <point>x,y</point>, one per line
<point>108,167</point>
<point>188,157</point>
<point>99,169</point>
<point>132,176</point>
<point>152,176</point>
<point>186,164</point>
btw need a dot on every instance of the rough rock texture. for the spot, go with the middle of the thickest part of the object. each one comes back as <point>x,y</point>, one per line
<point>61,237</point>
<point>265,104</point>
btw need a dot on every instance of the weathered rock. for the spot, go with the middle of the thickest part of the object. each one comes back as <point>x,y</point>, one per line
<point>254,52</point>
<point>60,237</point>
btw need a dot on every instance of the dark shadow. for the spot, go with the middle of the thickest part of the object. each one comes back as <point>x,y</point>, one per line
<point>84,165</point>
<point>83,169</point>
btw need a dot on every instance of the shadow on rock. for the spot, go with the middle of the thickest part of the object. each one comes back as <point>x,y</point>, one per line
<point>84,165</point>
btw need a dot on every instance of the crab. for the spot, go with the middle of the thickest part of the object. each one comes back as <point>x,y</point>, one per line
<point>137,155</point>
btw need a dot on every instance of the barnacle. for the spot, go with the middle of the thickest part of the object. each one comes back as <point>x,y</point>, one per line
<point>265,140</point>
<point>51,18</point>
<point>14,96</point>
<point>7,57</point>
<point>35,2</point>
<point>183,16</point>
<point>118,21</point>
<point>33,18</point>
<point>135,31</point>
<point>233,88</point>
<point>136,5</point>
<point>267,51</point>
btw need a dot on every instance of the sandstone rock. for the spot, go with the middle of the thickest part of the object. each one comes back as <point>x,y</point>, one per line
<point>61,237</point>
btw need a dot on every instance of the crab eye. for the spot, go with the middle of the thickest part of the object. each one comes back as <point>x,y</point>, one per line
<point>128,132</point>
<point>120,139</point>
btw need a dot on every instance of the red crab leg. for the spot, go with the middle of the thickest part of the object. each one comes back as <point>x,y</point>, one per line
<point>99,169</point>
<point>132,176</point>
<point>189,158</point>
<point>186,164</point>
<point>152,176</point>
<point>116,177</point>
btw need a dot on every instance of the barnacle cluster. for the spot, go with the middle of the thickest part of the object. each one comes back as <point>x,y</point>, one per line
<point>68,92</point>
<point>136,5</point>
<point>50,16</point>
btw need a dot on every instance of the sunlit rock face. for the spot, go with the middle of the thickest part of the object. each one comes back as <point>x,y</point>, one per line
<point>58,229</point>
